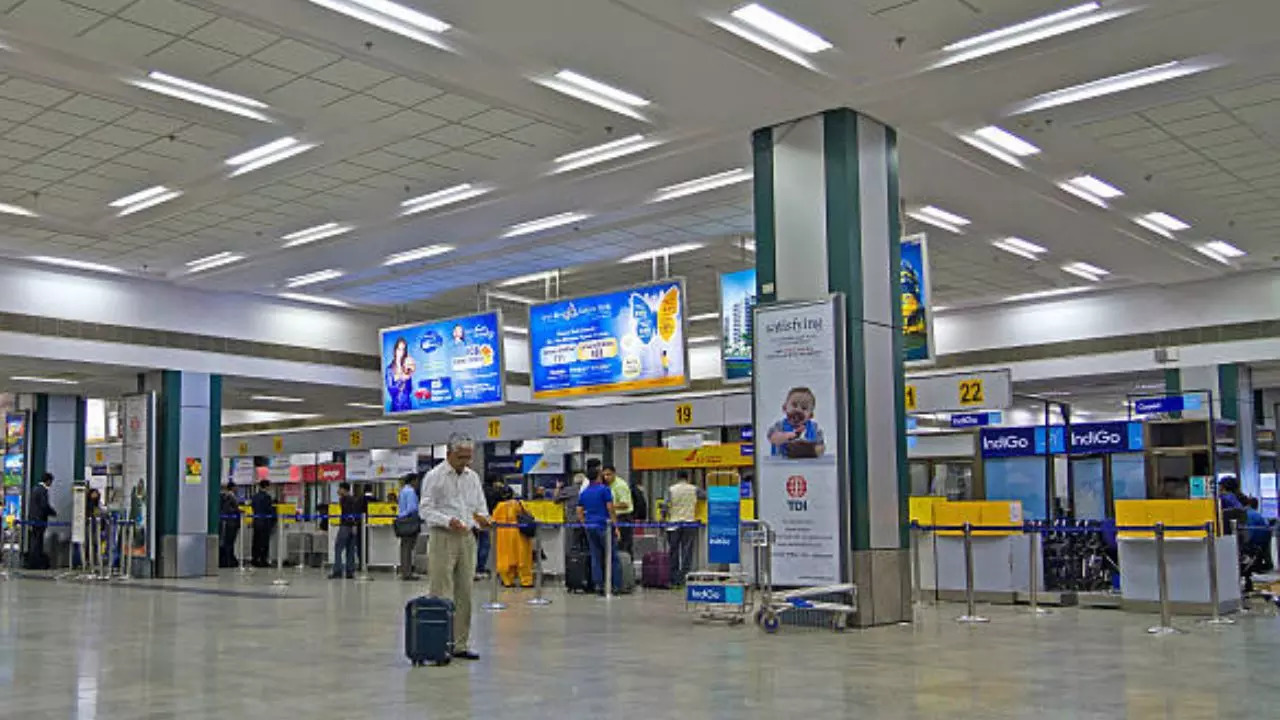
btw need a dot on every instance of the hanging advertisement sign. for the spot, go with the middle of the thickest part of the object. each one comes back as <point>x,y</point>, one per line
<point>722,524</point>
<point>1086,438</point>
<point>726,455</point>
<point>737,306</point>
<point>359,464</point>
<point>79,512</point>
<point>443,364</point>
<point>798,421</point>
<point>543,464</point>
<point>917,313</point>
<point>631,340</point>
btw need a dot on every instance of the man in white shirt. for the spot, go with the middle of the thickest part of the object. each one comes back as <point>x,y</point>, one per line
<point>452,505</point>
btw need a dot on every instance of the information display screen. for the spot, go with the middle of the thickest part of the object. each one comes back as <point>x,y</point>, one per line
<point>917,315</point>
<point>443,364</point>
<point>630,340</point>
<point>737,305</point>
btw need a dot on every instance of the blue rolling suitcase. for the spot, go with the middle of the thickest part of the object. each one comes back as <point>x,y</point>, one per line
<point>428,631</point>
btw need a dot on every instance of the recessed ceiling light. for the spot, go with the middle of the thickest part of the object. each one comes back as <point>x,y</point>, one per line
<point>1088,197</point>
<point>440,198</point>
<point>1111,85</point>
<point>704,316</point>
<point>276,398</point>
<point>421,253</point>
<point>749,245</point>
<point>45,380</point>
<point>213,261</point>
<point>780,28</point>
<point>312,234</point>
<point>144,199</point>
<point>364,406</point>
<point>1091,184</point>
<point>1018,246</point>
<point>526,279</point>
<point>546,223</point>
<point>1025,33</point>
<point>700,339</point>
<point>577,85</point>
<point>995,152</point>
<point>1055,292</point>
<point>138,197</point>
<point>1220,250</point>
<point>733,26</point>
<point>269,154</point>
<point>1006,141</point>
<point>702,184</point>
<point>662,252</point>
<point>1142,221</point>
<point>1167,221</point>
<point>75,264</point>
<point>938,217</point>
<point>515,330</point>
<point>603,153</point>
<point>314,299</point>
<point>391,17</point>
<point>1092,273</point>
<point>312,278</point>
<point>8,209</point>
<point>195,92</point>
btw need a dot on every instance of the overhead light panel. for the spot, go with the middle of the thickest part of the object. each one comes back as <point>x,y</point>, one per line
<point>1042,294</point>
<point>1027,32</point>
<point>1020,247</point>
<point>139,201</point>
<point>1091,189</point>
<point>1092,273</point>
<point>210,97</point>
<point>213,261</point>
<point>313,234</point>
<point>704,316</point>
<point>603,153</point>
<point>546,223</point>
<point>75,264</point>
<point>1112,85</point>
<point>8,209</point>
<point>441,198</point>
<point>269,154</point>
<point>600,94</point>
<point>392,17</point>
<point>44,380</point>
<point>1220,250</point>
<point>276,398</point>
<point>526,279</point>
<point>938,217</point>
<point>780,28</point>
<point>662,252</point>
<point>314,299</point>
<point>421,253</point>
<point>1006,141</point>
<point>701,339</point>
<point>701,185</point>
<point>1161,223</point>
<point>364,406</point>
<point>312,278</point>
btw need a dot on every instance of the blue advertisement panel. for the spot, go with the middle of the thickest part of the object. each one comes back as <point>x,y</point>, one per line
<point>443,364</point>
<point>715,594</point>
<point>1108,437</point>
<point>722,523</point>
<point>917,319</point>
<point>737,300</point>
<point>1166,404</point>
<point>630,340</point>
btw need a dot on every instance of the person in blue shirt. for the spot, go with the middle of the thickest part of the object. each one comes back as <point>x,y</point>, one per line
<point>1229,493</point>
<point>595,511</point>
<point>407,515</point>
<point>1257,536</point>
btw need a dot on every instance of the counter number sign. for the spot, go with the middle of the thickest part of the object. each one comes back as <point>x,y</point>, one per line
<point>100,457</point>
<point>971,394</point>
<point>684,414</point>
<point>910,398</point>
<point>402,435</point>
<point>555,424</point>
<point>277,444</point>
<point>357,438</point>
<point>242,449</point>
<point>493,429</point>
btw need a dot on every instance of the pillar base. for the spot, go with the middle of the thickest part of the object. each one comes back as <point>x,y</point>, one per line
<point>884,587</point>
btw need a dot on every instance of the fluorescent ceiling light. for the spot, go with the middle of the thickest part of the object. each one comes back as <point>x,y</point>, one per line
<point>269,154</point>
<point>940,218</point>
<point>749,245</point>
<point>213,261</point>
<point>1220,250</point>
<point>1166,221</point>
<point>1092,273</point>
<point>262,151</point>
<point>1025,33</point>
<point>139,196</point>
<point>702,184</point>
<point>421,253</point>
<point>1040,294</point>
<point>526,279</point>
<point>391,17</point>
<point>440,198</point>
<point>699,339</point>
<point>1006,141</point>
<point>312,278</point>
<point>75,264</point>
<point>515,330</point>
<point>1111,85</point>
<point>662,252</point>
<point>140,201</point>
<point>211,97</point>
<point>1091,184</point>
<point>312,234</point>
<point>1085,195</point>
<point>993,151</point>
<point>705,316</point>
<point>546,223</point>
<point>603,95</point>
<point>46,380</point>
<point>753,37</point>
<point>8,209</point>
<point>603,153</point>
<point>1153,227</point>
<point>276,398</point>
<point>1020,247</point>
<point>781,28</point>
<point>364,406</point>
<point>314,299</point>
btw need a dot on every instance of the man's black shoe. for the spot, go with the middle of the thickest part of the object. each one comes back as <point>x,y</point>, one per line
<point>466,655</point>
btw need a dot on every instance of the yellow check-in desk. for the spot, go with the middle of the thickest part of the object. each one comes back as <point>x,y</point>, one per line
<point>1001,553</point>
<point>1186,557</point>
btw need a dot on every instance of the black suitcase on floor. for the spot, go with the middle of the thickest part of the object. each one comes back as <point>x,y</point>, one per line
<point>428,631</point>
<point>577,572</point>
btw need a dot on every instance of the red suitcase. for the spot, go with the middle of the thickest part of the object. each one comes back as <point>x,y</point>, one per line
<point>655,570</point>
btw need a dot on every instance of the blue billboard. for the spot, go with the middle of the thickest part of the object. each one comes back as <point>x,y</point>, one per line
<point>1086,438</point>
<point>917,319</point>
<point>737,301</point>
<point>443,364</point>
<point>630,340</point>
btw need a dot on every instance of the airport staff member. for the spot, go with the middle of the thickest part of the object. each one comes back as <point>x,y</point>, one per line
<point>452,505</point>
<point>229,522</point>
<point>264,521</point>
<point>41,511</point>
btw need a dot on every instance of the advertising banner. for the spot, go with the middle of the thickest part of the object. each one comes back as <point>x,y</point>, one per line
<point>798,421</point>
<point>443,364</point>
<point>79,512</point>
<point>139,422</point>
<point>722,524</point>
<point>737,306</point>
<point>917,317</point>
<point>726,455</point>
<point>631,340</point>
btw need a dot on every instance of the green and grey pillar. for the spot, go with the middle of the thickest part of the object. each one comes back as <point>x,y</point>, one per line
<point>828,221</point>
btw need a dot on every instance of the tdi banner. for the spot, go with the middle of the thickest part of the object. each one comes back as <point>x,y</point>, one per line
<point>737,301</point>
<point>797,416</point>
<point>917,318</point>
<point>722,524</point>
<point>443,364</point>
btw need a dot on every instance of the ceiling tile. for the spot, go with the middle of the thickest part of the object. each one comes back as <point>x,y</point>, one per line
<point>358,109</point>
<point>1203,123</point>
<point>94,108</point>
<point>1134,138</point>
<point>540,134</point>
<point>208,138</point>
<point>1181,110</point>
<point>1155,150</point>
<point>54,17</point>
<point>253,77</point>
<point>17,111</point>
<point>64,122</point>
<point>416,148</point>
<point>123,137</point>
<point>22,151</point>
<point>233,36</point>
<point>33,93</point>
<point>1114,126</point>
<point>1219,137</point>
<point>124,39</point>
<point>167,15</point>
<point>293,55</point>
<point>1167,162</point>
<point>192,59</point>
<point>455,136</point>
<point>306,93</point>
<point>1252,95</point>
<point>498,147</point>
<point>35,136</point>
<point>314,182</point>
<point>497,120</point>
<point>69,161</point>
<point>404,92</point>
<point>351,75</point>
<point>149,122</point>
<point>452,107</point>
<point>380,160</point>
<point>177,149</point>
<point>347,171</point>
<point>42,172</point>
<point>407,122</point>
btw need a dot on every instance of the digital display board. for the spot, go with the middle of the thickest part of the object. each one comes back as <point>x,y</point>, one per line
<point>737,305</point>
<point>917,313</point>
<point>630,340</point>
<point>443,364</point>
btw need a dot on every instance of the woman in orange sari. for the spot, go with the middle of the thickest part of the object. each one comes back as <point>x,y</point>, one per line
<point>515,551</point>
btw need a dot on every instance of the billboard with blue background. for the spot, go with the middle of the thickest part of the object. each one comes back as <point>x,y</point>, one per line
<point>630,340</point>
<point>443,364</point>
<point>737,302</point>
<point>917,318</point>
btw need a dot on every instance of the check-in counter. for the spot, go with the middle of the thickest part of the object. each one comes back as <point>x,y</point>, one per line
<point>1001,557</point>
<point>552,533</point>
<point>1186,558</point>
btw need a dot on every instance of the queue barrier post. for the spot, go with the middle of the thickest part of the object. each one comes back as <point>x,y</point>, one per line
<point>917,594</point>
<point>493,605</point>
<point>364,575</point>
<point>126,551</point>
<point>303,547</point>
<point>1162,580</point>
<point>609,528</point>
<point>280,548</point>
<point>240,538</point>
<point>1211,542</point>
<point>537,600</point>
<point>971,615</point>
<point>1034,569</point>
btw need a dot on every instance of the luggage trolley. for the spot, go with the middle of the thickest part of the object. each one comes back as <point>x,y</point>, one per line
<point>774,603</point>
<point>712,596</point>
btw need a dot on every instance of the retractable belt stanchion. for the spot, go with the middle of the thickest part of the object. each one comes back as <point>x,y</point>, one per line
<point>1211,541</point>
<point>971,615</point>
<point>364,575</point>
<point>537,600</point>
<point>608,559</point>
<point>126,551</point>
<point>1162,580</point>
<point>494,604</point>
<point>303,547</point>
<point>1034,563</point>
<point>280,551</point>
<point>240,538</point>
<point>917,595</point>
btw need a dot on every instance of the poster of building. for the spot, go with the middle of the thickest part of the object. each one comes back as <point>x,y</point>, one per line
<point>798,426</point>
<point>917,313</point>
<point>737,305</point>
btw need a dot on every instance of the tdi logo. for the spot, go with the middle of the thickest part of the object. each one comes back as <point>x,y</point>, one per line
<point>1095,438</point>
<point>797,488</point>
<point>1005,442</point>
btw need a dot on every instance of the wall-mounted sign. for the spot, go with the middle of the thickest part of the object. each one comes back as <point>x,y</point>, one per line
<point>982,419</point>
<point>722,524</point>
<point>1167,404</point>
<point>443,364</point>
<point>917,313</point>
<point>1086,438</point>
<point>992,390</point>
<point>737,302</point>
<point>726,455</point>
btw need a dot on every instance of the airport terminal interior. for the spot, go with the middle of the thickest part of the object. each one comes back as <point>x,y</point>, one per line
<point>705,358</point>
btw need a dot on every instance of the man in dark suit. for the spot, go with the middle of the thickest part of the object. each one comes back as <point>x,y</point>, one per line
<point>264,521</point>
<point>41,511</point>
<point>229,521</point>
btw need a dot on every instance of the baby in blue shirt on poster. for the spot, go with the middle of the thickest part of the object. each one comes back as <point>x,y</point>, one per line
<point>797,435</point>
